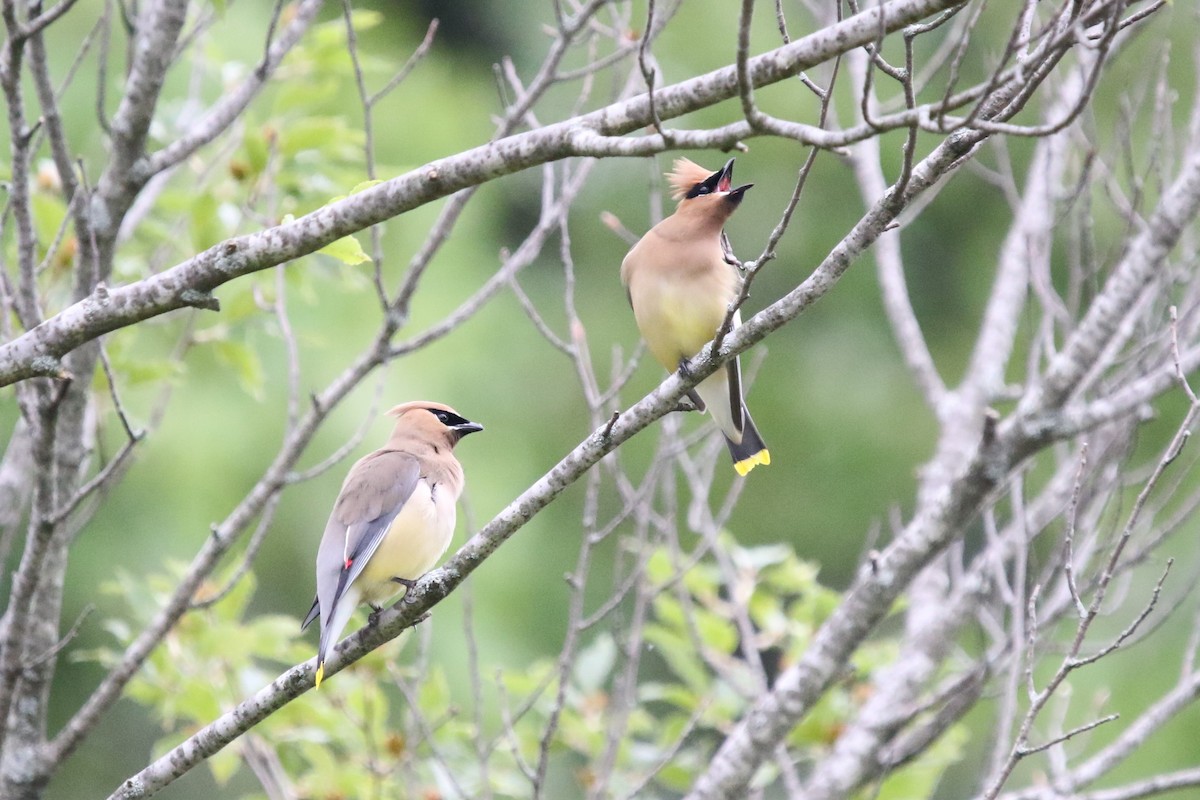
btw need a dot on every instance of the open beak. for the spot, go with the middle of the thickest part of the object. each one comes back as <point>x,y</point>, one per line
<point>721,182</point>
<point>724,176</point>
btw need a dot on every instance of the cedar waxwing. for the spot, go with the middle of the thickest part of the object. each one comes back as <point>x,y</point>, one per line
<point>392,520</point>
<point>680,282</point>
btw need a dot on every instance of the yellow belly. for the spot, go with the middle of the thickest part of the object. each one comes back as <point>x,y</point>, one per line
<point>677,318</point>
<point>413,544</point>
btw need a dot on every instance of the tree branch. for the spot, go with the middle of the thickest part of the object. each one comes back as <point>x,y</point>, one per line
<point>192,282</point>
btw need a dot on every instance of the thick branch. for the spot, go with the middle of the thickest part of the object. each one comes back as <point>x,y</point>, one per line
<point>157,31</point>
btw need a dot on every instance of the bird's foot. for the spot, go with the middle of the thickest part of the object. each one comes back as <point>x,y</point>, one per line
<point>373,617</point>
<point>409,584</point>
<point>685,369</point>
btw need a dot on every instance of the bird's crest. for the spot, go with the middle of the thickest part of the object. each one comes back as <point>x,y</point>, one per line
<point>684,176</point>
<point>404,408</point>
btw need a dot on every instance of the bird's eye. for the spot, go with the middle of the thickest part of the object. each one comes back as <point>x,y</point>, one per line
<point>699,189</point>
<point>442,416</point>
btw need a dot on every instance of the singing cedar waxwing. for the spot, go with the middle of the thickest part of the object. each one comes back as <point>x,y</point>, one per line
<point>680,281</point>
<point>392,520</point>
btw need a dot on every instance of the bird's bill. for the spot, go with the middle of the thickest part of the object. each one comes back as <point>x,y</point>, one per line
<point>721,182</point>
<point>463,428</point>
<point>736,194</point>
<point>722,179</point>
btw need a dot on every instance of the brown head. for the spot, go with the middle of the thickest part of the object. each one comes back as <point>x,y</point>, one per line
<point>705,194</point>
<point>433,422</point>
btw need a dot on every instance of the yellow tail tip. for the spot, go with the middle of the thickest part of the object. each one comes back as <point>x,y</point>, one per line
<point>320,674</point>
<point>744,466</point>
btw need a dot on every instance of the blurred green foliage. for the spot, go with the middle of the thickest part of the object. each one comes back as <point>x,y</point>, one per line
<point>399,727</point>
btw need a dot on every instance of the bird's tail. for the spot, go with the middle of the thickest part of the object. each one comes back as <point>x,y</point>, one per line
<point>751,450</point>
<point>331,629</point>
<point>313,613</point>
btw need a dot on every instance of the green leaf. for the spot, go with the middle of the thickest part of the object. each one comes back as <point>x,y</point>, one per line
<point>196,699</point>
<point>921,777</point>
<point>595,663</point>
<point>311,133</point>
<point>103,656</point>
<point>119,629</point>
<point>303,96</point>
<point>273,635</point>
<point>224,764</point>
<point>49,211</point>
<point>679,696</point>
<point>526,681</point>
<point>256,148</point>
<point>362,187</point>
<point>792,576</point>
<point>233,605</point>
<point>245,363</point>
<point>677,777</point>
<point>155,372</point>
<point>347,250</point>
<point>763,556</point>
<point>680,656</point>
<point>659,568</point>
<point>364,19</point>
<point>205,225</point>
<point>434,695</point>
<point>716,632</point>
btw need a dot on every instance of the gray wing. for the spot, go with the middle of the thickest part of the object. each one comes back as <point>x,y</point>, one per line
<point>373,494</point>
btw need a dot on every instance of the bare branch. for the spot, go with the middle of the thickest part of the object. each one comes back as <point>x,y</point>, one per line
<point>1026,751</point>
<point>192,282</point>
<point>158,27</point>
<point>232,103</point>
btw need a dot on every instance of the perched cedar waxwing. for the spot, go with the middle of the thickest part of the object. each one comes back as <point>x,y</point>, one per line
<point>393,519</point>
<point>680,281</point>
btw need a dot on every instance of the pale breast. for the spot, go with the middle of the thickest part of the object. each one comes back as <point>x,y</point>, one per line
<point>414,543</point>
<point>679,310</point>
